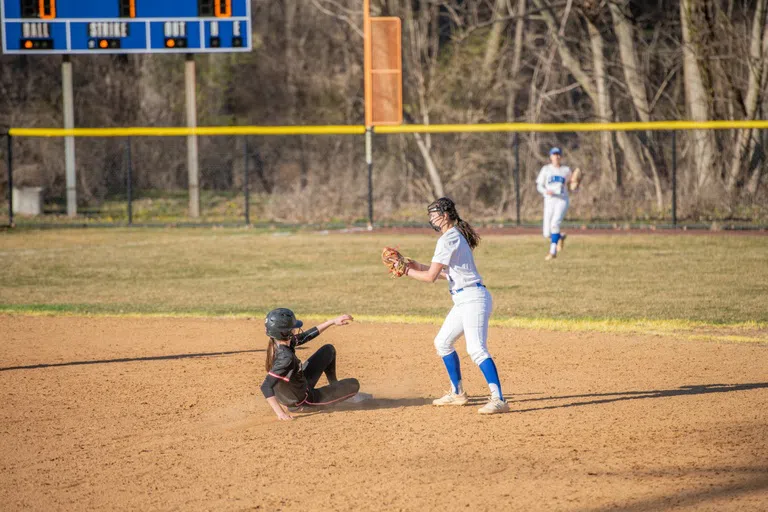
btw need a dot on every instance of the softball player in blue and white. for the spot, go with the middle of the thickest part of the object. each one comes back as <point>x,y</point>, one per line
<point>552,183</point>
<point>472,304</point>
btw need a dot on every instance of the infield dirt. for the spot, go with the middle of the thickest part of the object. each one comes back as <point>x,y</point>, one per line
<point>165,413</point>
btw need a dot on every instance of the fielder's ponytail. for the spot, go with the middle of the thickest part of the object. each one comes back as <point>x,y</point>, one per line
<point>445,205</point>
<point>469,233</point>
<point>271,348</point>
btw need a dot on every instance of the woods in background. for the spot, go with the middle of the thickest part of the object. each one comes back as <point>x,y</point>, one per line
<point>478,61</point>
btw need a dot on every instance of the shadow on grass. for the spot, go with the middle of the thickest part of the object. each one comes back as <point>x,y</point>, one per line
<point>755,483</point>
<point>130,359</point>
<point>605,398</point>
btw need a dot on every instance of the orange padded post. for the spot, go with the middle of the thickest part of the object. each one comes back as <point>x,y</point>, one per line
<point>386,71</point>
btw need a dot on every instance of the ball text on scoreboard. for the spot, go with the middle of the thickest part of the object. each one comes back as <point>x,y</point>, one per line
<point>125,26</point>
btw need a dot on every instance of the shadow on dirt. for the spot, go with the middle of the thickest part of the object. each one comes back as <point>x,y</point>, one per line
<point>368,405</point>
<point>130,360</point>
<point>605,398</point>
<point>755,480</point>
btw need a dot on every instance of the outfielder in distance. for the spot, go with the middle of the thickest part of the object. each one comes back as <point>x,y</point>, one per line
<point>289,383</point>
<point>472,302</point>
<point>553,183</point>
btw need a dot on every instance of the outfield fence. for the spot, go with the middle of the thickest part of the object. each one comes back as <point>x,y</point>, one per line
<point>253,175</point>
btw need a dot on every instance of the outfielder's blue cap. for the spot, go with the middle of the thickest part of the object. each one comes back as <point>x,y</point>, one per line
<point>555,151</point>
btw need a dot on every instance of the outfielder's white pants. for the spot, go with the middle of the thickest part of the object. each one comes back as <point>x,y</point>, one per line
<point>469,316</point>
<point>554,213</point>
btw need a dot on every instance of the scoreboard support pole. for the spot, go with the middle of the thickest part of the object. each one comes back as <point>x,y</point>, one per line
<point>192,162</point>
<point>69,141</point>
<point>9,161</point>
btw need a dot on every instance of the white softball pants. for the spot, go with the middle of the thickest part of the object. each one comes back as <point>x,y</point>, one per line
<point>469,316</point>
<point>554,213</point>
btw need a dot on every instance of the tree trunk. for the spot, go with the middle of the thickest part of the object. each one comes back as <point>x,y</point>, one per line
<point>756,70</point>
<point>603,99</point>
<point>569,60</point>
<point>421,50</point>
<point>434,176</point>
<point>493,41</point>
<point>629,61</point>
<point>513,87</point>
<point>636,86</point>
<point>697,101</point>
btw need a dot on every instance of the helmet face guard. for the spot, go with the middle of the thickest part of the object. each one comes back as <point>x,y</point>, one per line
<point>280,324</point>
<point>442,206</point>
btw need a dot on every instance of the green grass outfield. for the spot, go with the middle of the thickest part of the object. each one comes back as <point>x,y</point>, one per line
<point>655,283</point>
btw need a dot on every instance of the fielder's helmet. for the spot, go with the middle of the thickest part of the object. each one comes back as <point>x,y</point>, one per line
<point>280,323</point>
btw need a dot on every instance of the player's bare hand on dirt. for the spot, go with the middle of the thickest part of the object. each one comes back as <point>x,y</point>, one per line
<point>343,319</point>
<point>282,415</point>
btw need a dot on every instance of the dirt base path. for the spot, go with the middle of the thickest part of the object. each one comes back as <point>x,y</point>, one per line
<point>139,414</point>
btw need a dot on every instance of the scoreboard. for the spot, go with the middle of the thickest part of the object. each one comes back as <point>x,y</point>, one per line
<point>125,26</point>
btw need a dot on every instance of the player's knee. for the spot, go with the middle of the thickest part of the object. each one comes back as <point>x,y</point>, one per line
<point>443,347</point>
<point>350,385</point>
<point>479,355</point>
<point>329,348</point>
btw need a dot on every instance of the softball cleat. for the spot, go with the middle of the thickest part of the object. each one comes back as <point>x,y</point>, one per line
<point>494,406</point>
<point>360,397</point>
<point>550,256</point>
<point>561,243</point>
<point>452,398</point>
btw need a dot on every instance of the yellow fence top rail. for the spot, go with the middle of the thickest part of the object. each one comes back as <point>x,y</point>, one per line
<point>408,128</point>
<point>184,131</point>
<point>573,127</point>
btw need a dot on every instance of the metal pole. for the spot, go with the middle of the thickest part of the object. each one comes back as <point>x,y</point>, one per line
<point>517,176</point>
<point>246,190</point>
<point>129,180</point>
<point>369,162</point>
<point>69,142</point>
<point>674,179</point>
<point>192,163</point>
<point>9,158</point>
<point>619,183</point>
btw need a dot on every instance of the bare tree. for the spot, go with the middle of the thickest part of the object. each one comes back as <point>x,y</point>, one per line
<point>697,101</point>
<point>757,65</point>
<point>631,68</point>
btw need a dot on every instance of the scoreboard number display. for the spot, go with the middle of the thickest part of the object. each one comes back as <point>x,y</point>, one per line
<point>125,26</point>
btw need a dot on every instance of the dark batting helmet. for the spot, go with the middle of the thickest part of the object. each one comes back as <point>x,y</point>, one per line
<point>280,323</point>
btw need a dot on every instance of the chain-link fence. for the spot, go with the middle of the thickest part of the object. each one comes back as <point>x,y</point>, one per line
<point>323,179</point>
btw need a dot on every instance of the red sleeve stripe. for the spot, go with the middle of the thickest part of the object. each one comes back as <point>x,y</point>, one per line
<point>280,377</point>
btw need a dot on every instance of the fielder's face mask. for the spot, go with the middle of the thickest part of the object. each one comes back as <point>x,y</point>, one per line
<point>440,212</point>
<point>435,217</point>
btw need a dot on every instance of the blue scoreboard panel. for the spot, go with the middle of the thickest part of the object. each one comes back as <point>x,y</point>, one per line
<point>125,26</point>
